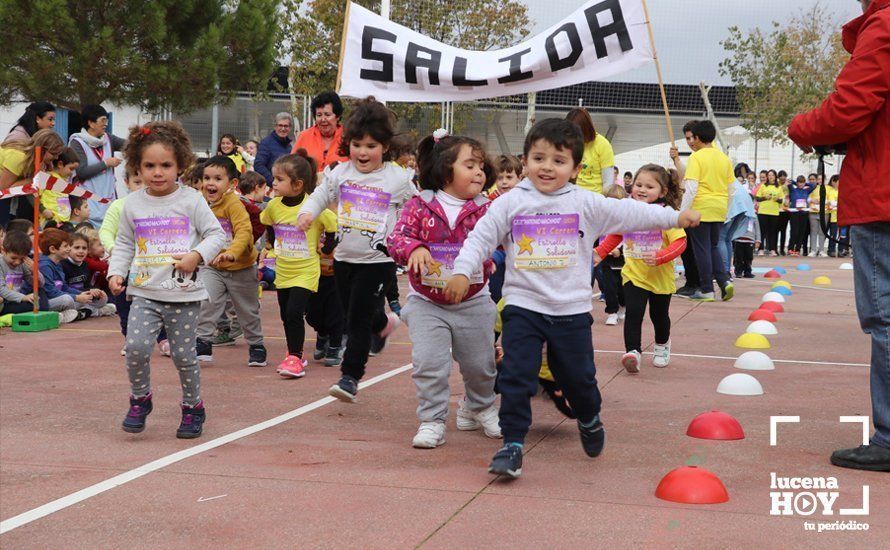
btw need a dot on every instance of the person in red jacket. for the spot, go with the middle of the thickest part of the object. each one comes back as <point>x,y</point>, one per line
<point>322,139</point>
<point>858,113</point>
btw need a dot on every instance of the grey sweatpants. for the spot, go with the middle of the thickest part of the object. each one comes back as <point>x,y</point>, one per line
<point>437,332</point>
<point>145,322</point>
<point>242,288</point>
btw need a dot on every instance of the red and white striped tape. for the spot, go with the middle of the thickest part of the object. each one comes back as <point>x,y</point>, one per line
<point>43,181</point>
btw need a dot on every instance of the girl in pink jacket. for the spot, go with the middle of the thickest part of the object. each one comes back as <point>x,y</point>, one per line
<point>453,172</point>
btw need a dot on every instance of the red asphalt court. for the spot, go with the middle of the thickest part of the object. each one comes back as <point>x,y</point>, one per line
<point>335,475</point>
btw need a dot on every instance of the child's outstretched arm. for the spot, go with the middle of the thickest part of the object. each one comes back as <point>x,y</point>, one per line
<point>213,238</point>
<point>669,253</point>
<point>606,246</point>
<point>324,194</point>
<point>623,216</point>
<point>124,250</point>
<point>242,238</point>
<point>490,230</point>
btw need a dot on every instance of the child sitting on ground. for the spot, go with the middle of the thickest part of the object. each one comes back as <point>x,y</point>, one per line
<point>548,227</point>
<point>15,268</point>
<point>648,273</point>
<point>55,246</point>
<point>78,278</point>
<point>232,273</point>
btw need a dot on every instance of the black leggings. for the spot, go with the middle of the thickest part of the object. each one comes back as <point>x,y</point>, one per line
<point>362,289</point>
<point>292,307</point>
<point>784,218</point>
<point>800,222</point>
<point>769,228</point>
<point>611,287</point>
<point>659,312</point>
<point>325,312</point>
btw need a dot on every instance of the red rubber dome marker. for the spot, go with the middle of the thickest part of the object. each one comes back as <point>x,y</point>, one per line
<point>715,425</point>
<point>772,274</point>
<point>774,307</point>
<point>762,315</point>
<point>691,485</point>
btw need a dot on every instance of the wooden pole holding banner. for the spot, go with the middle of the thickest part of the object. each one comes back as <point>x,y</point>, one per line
<point>664,102</point>
<point>35,269</point>
<point>343,46</point>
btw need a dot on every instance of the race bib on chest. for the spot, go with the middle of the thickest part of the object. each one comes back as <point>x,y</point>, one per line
<point>64,207</point>
<point>363,209</point>
<point>545,241</point>
<point>442,266</point>
<point>642,244</point>
<point>269,263</point>
<point>800,203</point>
<point>290,242</point>
<point>227,229</point>
<point>158,239</point>
<point>14,281</point>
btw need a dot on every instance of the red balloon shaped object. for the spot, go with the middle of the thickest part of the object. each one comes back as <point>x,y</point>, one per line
<point>775,307</point>
<point>762,315</point>
<point>772,274</point>
<point>691,485</point>
<point>715,425</point>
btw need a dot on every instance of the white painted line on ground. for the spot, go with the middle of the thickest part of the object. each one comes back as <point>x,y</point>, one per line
<point>116,481</point>
<point>800,361</point>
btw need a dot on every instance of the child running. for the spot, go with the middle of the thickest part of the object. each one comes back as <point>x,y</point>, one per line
<point>296,249</point>
<point>231,275</point>
<point>368,190</point>
<point>548,227</point>
<point>453,172</point>
<point>612,264</point>
<point>165,231</point>
<point>648,273</point>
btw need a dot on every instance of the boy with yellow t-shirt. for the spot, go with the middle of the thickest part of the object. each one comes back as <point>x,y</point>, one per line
<point>708,186</point>
<point>233,273</point>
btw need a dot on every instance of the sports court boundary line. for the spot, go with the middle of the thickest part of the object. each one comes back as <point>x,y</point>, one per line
<point>126,477</point>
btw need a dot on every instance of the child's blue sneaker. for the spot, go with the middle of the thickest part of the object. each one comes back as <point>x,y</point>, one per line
<point>192,423</point>
<point>140,407</point>
<point>507,461</point>
<point>593,437</point>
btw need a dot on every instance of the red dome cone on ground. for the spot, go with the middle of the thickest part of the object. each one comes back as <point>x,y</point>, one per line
<point>715,425</point>
<point>774,307</point>
<point>691,485</point>
<point>772,274</point>
<point>762,315</point>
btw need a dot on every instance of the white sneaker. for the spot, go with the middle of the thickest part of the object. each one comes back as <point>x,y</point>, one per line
<point>612,319</point>
<point>124,351</point>
<point>622,313</point>
<point>106,310</point>
<point>631,361</point>
<point>67,316</point>
<point>430,435</point>
<point>662,355</point>
<point>486,419</point>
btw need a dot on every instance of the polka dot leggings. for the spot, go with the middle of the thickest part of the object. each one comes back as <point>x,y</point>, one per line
<point>147,317</point>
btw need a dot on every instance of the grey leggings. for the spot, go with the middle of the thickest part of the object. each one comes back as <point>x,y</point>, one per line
<point>145,322</point>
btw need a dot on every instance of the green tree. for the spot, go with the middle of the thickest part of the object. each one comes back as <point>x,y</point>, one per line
<point>164,54</point>
<point>314,30</point>
<point>786,70</point>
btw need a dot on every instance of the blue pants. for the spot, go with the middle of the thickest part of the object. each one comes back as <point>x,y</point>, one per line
<point>570,356</point>
<point>872,277</point>
<point>705,245</point>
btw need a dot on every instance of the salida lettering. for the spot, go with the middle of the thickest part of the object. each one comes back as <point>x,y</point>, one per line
<point>419,57</point>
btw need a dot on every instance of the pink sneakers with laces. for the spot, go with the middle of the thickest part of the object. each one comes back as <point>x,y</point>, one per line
<point>293,367</point>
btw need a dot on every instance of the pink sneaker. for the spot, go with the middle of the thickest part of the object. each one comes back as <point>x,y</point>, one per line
<point>293,367</point>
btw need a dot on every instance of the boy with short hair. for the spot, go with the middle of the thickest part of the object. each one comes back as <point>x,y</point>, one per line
<point>15,268</point>
<point>79,278</point>
<point>548,227</point>
<point>233,273</point>
<point>56,206</point>
<point>708,184</point>
<point>55,246</point>
<point>509,171</point>
<point>80,210</point>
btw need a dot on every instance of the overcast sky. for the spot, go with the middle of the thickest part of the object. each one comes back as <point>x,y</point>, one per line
<point>688,32</point>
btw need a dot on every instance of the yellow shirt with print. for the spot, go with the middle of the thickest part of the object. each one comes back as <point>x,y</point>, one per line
<point>598,154</point>
<point>772,194</point>
<point>712,169</point>
<point>658,279</point>
<point>291,272</point>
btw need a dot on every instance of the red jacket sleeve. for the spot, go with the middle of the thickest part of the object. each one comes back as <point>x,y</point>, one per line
<point>860,91</point>
<point>404,237</point>
<point>671,251</point>
<point>608,245</point>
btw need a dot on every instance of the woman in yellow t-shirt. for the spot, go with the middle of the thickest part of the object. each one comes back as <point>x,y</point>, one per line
<point>648,272</point>
<point>770,197</point>
<point>598,163</point>
<point>17,167</point>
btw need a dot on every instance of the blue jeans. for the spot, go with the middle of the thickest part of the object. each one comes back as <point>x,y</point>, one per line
<point>729,229</point>
<point>705,241</point>
<point>872,277</point>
